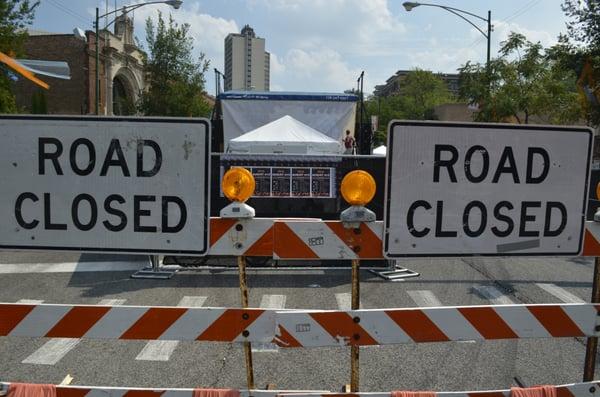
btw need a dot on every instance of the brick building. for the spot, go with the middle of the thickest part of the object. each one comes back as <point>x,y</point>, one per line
<point>121,71</point>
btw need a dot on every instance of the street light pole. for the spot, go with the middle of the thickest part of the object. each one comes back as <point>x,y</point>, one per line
<point>409,5</point>
<point>173,3</point>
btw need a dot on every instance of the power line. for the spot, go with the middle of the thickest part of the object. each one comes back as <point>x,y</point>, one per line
<point>68,11</point>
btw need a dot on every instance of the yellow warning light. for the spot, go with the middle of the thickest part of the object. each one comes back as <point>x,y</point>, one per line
<point>358,187</point>
<point>238,184</point>
<point>598,191</point>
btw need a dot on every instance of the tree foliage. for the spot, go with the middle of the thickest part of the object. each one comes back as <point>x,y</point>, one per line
<point>420,92</point>
<point>15,16</point>
<point>524,81</point>
<point>579,52</point>
<point>176,79</point>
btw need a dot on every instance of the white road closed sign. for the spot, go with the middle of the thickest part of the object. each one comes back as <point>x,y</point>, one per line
<point>485,189</point>
<point>126,185</point>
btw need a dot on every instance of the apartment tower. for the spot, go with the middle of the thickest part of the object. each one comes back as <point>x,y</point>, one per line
<point>247,64</point>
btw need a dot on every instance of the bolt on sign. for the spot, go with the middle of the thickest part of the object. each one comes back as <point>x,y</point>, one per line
<point>485,189</point>
<point>126,185</point>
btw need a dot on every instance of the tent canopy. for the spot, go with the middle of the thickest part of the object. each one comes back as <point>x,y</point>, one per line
<point>285,135</point>
<point>380,150</point>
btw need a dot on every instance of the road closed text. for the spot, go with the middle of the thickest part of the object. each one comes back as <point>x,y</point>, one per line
<point>455,166</point>
<point>456,189</point>
<point>85,210</point>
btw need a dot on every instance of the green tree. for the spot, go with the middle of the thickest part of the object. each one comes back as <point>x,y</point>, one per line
<point>420,92</point>
<point>39,105</point>
<point>176,80</point>
<point>524,81</point>
<point>15,16</point>
<point>579,52</point>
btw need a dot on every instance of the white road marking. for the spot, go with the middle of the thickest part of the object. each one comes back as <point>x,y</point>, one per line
<point>344,301</point>
<point>424,298</point>
<point>52,351</point>
<point>161,350</point>
<point>269,302</point>
<point>560,293</point>
<point>30,301</point>
<point>69,267</point>
<point>494,295</point>
<point>112,302</point>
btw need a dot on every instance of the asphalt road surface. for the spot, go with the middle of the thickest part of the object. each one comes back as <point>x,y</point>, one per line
<point>95,279</point>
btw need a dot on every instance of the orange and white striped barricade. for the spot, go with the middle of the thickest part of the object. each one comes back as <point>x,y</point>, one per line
<point>137,322</point>
<point>586,389</point>
<point>436,324</point>
<point>94,391</point>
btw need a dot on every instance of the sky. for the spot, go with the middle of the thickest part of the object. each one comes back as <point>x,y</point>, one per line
<point>324,45</point>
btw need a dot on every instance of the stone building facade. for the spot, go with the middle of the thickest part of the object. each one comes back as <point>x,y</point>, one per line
<point>121,71</point>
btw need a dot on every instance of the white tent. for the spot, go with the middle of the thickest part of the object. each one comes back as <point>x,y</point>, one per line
<point>285,135</point>
<point>380,150</point>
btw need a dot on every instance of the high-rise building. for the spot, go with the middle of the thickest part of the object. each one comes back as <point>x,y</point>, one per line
<point>247,64</point>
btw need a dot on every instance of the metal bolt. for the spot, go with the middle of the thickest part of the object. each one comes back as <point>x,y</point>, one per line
<point>356,249</point>
<point>239,227</point>
<point>357,230</point>
<point>245,316</point>
<point>238,246</point>
<point>356,319</point>
<point>356,336</point>
<point>245,333</point>
<point>592,389</point>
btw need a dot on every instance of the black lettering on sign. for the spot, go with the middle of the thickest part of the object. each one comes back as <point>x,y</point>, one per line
<point>93,212</point>
<point>510,168</point>
<point>115,148</point>
<point>439,215</point>
<point>138,213</point>
<point>482,223</point>
<point>91,156</point>
<point>510,224</point>
<point>48,225</point>
<point>531,152</point>
<point>166,200</point>
<point>18,210</point>
<point>140,158</point>
<point>116,212</point>
<point>52,156</point>
<point>563,218</point>
<point>448,164</point>
<point>469,163</point>
<point>525,205</point>
<point>410,218</point>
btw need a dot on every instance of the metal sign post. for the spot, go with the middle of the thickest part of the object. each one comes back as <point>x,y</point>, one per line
<point>485,189</point>
<point>354,349</point>
<point>247,345</point>
<point>110,184</point>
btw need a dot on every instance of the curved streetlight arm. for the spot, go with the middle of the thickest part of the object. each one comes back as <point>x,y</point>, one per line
<point>132,7</point>
<point>450,9</point>
<point>454,9</point>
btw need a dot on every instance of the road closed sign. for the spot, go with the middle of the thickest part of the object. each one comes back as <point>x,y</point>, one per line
<point>125,185</point>
<point>485,189</point>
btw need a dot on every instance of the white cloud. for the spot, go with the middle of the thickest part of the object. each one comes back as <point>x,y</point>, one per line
<point>208,32</point>
<point>319,70</point>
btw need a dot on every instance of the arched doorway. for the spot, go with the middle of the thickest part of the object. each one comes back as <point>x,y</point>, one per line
<point>123,96</point>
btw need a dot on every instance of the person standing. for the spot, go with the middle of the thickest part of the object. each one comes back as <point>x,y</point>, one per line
<point>349,143</point>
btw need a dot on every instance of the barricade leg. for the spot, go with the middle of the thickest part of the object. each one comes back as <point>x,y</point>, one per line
<point>354,350</point>
<point>247,346</point>
<point>592,342</point>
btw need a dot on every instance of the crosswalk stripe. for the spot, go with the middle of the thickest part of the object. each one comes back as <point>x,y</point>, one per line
<point>54,350</point>
<point>30,301</point>
<point>494,295</point>
<point>161,350</point>
<point>344,301</point>
<point>269,302</point>
<point>560,293</point>
<point>424,298</point>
